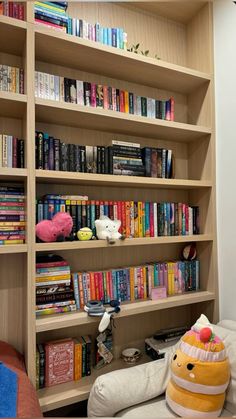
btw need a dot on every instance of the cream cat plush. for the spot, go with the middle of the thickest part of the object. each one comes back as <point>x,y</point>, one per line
<point>107,229</point>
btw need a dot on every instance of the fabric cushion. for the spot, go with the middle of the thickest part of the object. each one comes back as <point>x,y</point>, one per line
<point>27,401</point>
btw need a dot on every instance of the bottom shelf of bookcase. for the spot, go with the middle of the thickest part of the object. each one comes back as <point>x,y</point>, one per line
<point>59,321</point>
<point>64,394</point>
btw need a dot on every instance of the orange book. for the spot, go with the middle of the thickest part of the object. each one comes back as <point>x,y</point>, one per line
<point>92,286</point>
<point>127,218</point>
<point>126,101</point>
<point>140,219</point>
<point>78,358</point>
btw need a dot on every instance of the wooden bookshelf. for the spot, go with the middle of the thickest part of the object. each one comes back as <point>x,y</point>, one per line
<point>182,37</point>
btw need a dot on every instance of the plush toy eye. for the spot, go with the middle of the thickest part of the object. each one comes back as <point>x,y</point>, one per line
<point>107,226</point>
<point>190,366</point>
<point>175,356</point>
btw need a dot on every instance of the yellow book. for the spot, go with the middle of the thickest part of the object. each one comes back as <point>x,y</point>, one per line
<point>132,219</point>
<point>50,7</point>
<point>140,219</point>
<point>144,281</point>
<point>170,273</point>
<point>11,242</point>
<point>52,278</point>
<point>78,358</point>
<point>126,102</point>
<point>131,274</point>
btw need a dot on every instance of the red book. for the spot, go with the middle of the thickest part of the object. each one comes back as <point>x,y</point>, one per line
<point>14,152</point>
<point>186,220</point>
<point>151,219</point>
<point>122,101</point>
<point>93,94</point>
<point>96,281</point>
<point>59,362</point>
<point>123,218</point>
<point>110,285</point>
<point>172,109</point>
<point>111,210</point>
<point>100,286</point>
<point>10,10</point>
<point>21,12</point>
<point>51,264</point>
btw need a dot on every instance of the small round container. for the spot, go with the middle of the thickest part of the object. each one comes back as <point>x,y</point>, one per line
<point>131,355</point>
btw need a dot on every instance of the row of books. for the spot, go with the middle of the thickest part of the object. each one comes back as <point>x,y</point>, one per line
<point>121,158</point>
<point>12,9</point>
<point>48,86</point>
<point>12,215</point>
<point>53,285</point>
<point>135,283</point>
<point>11,151</point>
<point>54,16</point>
<point>63,360</point>
<point>138,218</point>
<point>11,79</point>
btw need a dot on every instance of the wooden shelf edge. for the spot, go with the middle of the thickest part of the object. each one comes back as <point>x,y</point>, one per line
<point>17,23</point>
<point>121,116</point>
<point>13,248</point>
<point>54,322</point>
<point>12,173</point>
<point>49,176</point>
<point>16,97</point>
<point>95,244</point>
<point>193,77</point>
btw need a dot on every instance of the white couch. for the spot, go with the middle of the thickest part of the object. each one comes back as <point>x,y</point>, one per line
<point>139,391</point>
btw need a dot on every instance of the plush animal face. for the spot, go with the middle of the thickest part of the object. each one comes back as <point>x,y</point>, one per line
<point>84,233</point>
<point>51,230</point>
<point>199,375</point>
<point>107,228</point>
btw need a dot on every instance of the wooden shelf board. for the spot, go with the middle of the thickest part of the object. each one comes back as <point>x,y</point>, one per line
<point>12,105</point>
<point>64,394</point>
<point>95,244</point>
<point>7,173</point>
<point>54,322</point>
<point>13,35</point>
<point>13,248</point>
<point>50,176</point>
<point>69,114</point>
<point>114,62</point>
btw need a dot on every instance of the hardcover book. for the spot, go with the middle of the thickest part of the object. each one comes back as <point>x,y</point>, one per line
<point>59,357</point>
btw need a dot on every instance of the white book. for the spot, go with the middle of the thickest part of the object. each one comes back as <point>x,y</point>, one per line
<point>9,151</point>
<point>4,150</point>
<point>17,80</point>
<point>46,86</point>
<point>40,85</point>
<point>62,91</point>
<point>125,143</point>
<point>80,92</point>
<point>139,111</point>
<point>51,87</point>
<point>153,108</point>
<point>57,88</point>
<point>149,107</point>
<point>36,84</point>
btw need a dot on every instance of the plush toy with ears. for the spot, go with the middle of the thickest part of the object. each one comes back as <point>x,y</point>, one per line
<point>107,229</point>
<point>57,229</point>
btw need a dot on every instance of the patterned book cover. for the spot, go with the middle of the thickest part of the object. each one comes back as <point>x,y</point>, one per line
<point>59,357</point>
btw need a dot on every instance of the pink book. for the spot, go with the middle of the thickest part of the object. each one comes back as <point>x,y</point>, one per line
<point>50,25</point>
<point>113,89</point>
<point>151,220</point>
<point>100,286</point>
<point>172,109</point>
<point>105,98</point>
<point>59,362</point>
<point>93,95</point>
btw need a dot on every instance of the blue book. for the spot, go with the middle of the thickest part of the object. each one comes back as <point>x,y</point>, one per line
<point>45,210</point>
<point>147,219</point>
<point>114,37</point>
<point>97,32</point>
<point>57,206</point>
<point>121,38</point>
<point>51,154</point>
<point>43,12</point>
<point>76,290</point>
<point>114,287</point>
<point>85,291</point>
<point>109,38</point>
<point>106,208</point>
<point>69,26</point>
<point>77,27</point>
<point>105,36</point>
<point>101,34</point>
<point>118,285</point>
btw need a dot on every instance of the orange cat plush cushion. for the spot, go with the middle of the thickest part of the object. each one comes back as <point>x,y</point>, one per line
<point>199,375</point>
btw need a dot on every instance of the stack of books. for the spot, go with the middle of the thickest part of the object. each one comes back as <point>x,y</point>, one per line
<point>135,282</point>
<point>12,9</point>
<point>157,345</point>
<point>48,86</point>
<point>12,215</point>
<point>63,360</point>
<point>51,14</point>
<point>11,79</point>
<point>120,158</point>
<point>11,151</point>
<point>54,293</point>
<point>138,218</point>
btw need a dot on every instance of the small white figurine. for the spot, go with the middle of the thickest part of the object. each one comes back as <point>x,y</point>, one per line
<point>107,229</point>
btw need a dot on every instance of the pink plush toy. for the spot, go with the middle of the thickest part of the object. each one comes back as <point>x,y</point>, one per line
<point>56,229</point>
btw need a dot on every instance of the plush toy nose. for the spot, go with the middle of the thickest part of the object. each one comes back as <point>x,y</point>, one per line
<point>179,365</point>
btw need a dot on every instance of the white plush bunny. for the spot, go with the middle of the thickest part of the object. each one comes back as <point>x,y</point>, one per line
<point>107,229</point>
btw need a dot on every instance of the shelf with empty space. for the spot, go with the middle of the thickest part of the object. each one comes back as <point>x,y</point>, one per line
<point>114,62</point>
<point>50,176</point>
<point>96,244</point>
<point>13,35</point>
<point>7,173</point>
<point>64,394</point>
<point>60,321</point>
<point>13,248</point>
<point>12,105</point>
<point>69,114</point>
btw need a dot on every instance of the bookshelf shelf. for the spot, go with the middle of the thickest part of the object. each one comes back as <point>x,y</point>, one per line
<point>55,322</point>
<point>116,63</point>
<point>12,105</point>
<point>69,393</point>
<point>13,248</point>
<point>49,176</point>
<point>13,35</point>
<point>68,114</point>
<point>96,244</point>
<point>12,174</point>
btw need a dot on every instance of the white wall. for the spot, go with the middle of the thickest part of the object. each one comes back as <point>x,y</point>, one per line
<point>225,84</point>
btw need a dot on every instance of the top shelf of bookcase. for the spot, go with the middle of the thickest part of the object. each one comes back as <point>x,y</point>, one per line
<point>13,35</point>
<point>71,51</point>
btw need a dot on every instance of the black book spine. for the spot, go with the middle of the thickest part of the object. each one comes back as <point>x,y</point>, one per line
<point>118,100</point>
<point>143,106</point>
<point>71,149</point>
<point>77,158</point>
<point>110,97</point>
<point>51,154</point>
<point>88,215</point>
<point>78,217</point>
<point>46,153</point>
<point>20,153</point>
<point>157,109</point>
<point>41,365</point>
<point>40,150</point>
<point>56,297</point>
<point>56,154</point>
<point>66,90</point>
<point>110,160</point>
<point>72,90</point>
<point>99,159</point>
<point>87,93</point>
<point>106,160</point>
<point>83,159</point>
<point>147,160</point>
<point>131,103</point>
<point>103,160</point>
<point>73,215</point>
<point>55,21</point>
<point>83,214</point>
<point>63,156</point>
<point>36,151</point>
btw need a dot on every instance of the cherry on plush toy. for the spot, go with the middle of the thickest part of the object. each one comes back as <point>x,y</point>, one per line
<point>57,229</point>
